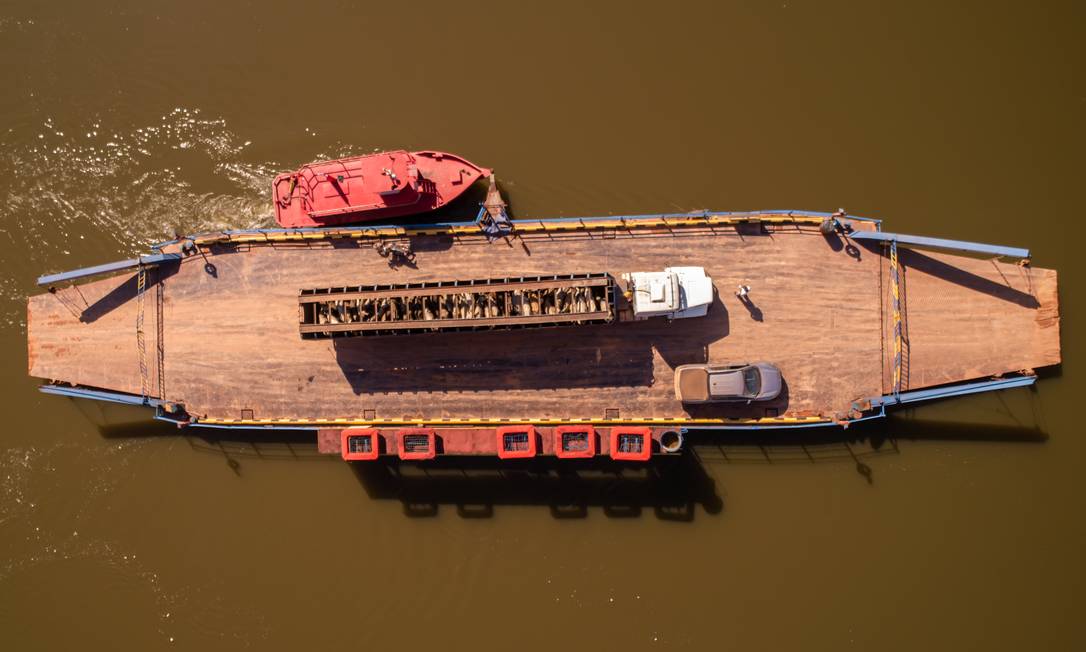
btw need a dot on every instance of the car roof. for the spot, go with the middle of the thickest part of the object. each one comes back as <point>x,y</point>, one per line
<point>726,383</point>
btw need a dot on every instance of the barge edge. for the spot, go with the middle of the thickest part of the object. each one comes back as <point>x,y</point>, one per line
<point>863,409</point>
<point>462,437</point>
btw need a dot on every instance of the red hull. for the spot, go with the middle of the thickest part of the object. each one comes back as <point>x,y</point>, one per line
<point>545,441</point>
<point>374,187</point>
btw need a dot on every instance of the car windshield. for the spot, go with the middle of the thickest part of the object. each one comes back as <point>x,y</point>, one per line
<point>752,381</point>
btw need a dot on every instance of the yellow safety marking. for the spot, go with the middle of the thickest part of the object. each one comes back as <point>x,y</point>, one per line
<point>897,325</point>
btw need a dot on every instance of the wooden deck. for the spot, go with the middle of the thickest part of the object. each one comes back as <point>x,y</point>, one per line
<point>971,318</point>
<point>228,347</point>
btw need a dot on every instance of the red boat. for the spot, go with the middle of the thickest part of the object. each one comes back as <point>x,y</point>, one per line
<point>373,187</point>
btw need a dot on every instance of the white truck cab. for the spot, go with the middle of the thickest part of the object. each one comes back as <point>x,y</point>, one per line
<point>675,293</point>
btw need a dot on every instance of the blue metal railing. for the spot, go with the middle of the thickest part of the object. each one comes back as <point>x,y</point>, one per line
<point>941,243</point>
<point>585,220</point>
<point>100,395</point>
<point>952,390</point>
<point>142,261</point>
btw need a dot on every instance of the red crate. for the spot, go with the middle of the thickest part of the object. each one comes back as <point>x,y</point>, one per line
<point>568,442</point>
<point>517,441</point>
<point>632,444</point>
<point>360,444</point>
<point>416,443</point>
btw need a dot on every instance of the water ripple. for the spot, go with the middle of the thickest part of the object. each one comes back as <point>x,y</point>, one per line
<point>82,193</point>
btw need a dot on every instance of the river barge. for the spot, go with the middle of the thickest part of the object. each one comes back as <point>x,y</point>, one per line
<point>283,329</point>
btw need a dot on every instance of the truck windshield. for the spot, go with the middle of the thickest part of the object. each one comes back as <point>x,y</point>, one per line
<point>752,381</point>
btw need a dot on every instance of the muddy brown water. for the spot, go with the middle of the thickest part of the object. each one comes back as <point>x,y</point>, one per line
<point>952,526</point>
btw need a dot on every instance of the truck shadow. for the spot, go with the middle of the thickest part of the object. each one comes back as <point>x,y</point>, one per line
<point>602,355</point>
<point>686,341</point>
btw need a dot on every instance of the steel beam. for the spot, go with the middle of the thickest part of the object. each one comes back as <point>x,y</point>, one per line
<point>99,395</point>
<point>953,390</point>
<point>149,260</point>
<point>940,243</point>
